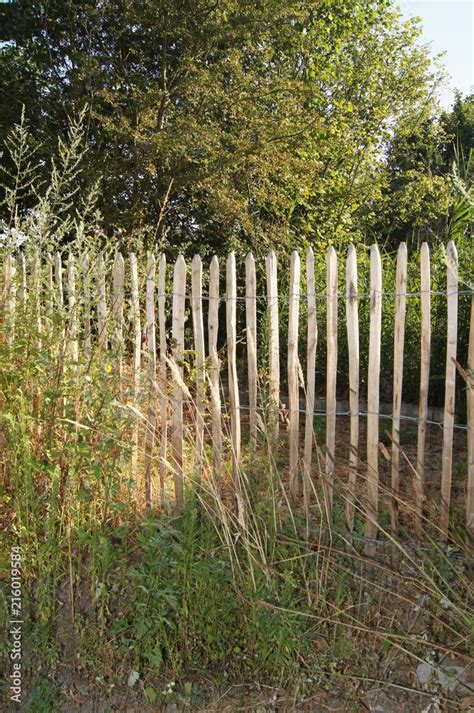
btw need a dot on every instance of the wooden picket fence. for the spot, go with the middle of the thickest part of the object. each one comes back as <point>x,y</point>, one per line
<point>101,318</point>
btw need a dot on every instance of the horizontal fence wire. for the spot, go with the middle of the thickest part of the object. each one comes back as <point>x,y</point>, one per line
<point>320,295</point>
<point>385,416</point>
<point>413,419</point>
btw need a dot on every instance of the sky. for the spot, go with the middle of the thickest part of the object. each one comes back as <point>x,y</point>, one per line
<point>448,26</point>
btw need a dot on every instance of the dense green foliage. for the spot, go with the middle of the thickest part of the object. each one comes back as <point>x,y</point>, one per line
<point>417,195</point>
<point>237,124</point>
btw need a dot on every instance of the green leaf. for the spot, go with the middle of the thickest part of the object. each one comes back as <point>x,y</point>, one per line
<point>133,677</point>
<point>155,657</point>
<point>151,695</point>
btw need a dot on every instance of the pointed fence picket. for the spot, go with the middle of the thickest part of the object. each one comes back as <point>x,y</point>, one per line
<point>312,343</point>
<point>293,380</point>
<point>118,277</point>
<point>102,303</point>
<point>151,359</point>
<point>470,433</point>
<point>234,400</point>
<point>49,294</point>
<point>198,330</point>
<point>9,298</point>
<point>58,276</point>
<point>373,399</point>
<point>59,291</point>
<point>273,343</point>
<point>214,368</point>
<point>36,296</point>
<point>450,386</point>
<point>331,375</point>
<point>399,341</point>
<point>86,304</point>
<point>21,271</point>
<point>137,354</point>
<point>72,308</point>
<point>163,374</point>
<point>352,325</point>
<point>179,296</point>
<point>213,400</point>
<point>251,334</point>
<point>425,349</point>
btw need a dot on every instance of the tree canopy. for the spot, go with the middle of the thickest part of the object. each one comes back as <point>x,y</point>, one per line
<point>221,122</point>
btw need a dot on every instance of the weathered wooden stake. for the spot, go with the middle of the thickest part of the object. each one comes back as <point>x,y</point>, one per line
<point>373,400</point>
<point>251,332</point>
<point>137,354</point>
<point>49,296</point>
<point>331,380</point>
<point>21,269</point>
<point>198,330</point>
<point>86,306</point>
<point>398,345</point>
<point>352,324</point>
<point>470,434</point>
<point>179,296</point>
<point>450,387</point>
<point>118,278</point>
<point>9,299</point>
<point>151,358</point>
<point>36,296</point>
<point>72,308</point>
<point>58,274</point>
<point>102,304</point>
<point>163,374</point>
<point>425,349</point>
<point>293,381</point>
<point>214,370</point>
<point>312,343</point>
<point>273,343</point>
<point>231,312</point>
